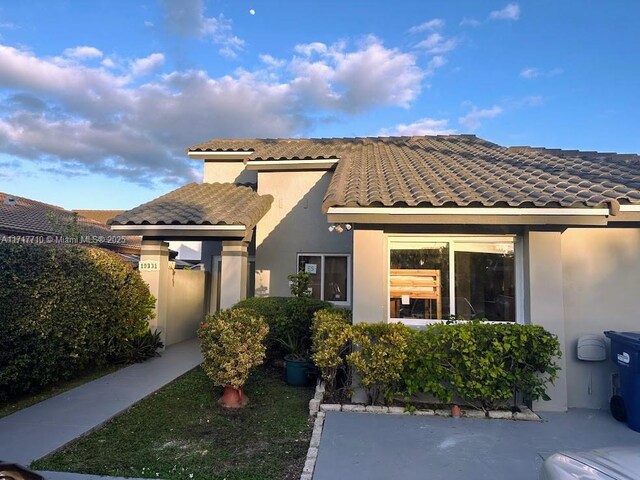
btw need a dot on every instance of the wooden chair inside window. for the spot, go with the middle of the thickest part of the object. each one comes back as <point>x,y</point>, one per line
<point>417,284</point>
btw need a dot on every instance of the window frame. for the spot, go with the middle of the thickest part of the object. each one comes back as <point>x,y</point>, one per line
<point>322,258</point>
<point>451,240</point>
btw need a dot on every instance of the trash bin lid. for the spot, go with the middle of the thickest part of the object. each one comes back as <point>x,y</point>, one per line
<point>629,338</point>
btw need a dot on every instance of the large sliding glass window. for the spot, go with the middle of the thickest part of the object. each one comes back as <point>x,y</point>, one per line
<point>461,277</point>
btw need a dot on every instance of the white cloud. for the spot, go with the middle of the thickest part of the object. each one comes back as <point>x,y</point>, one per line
<point>352,81</point>
<point>424,126</point>
<point>108,63</point>
<point>436,44</point>
<point>82,52</point>
<point>75,118</point>
<point>471,22</point>
<point>433,24</point>
<point>529,73</point>
<point>435,63</point>
<point>187,18</point>
<point>510,12</point>
<point>473,120</point>
<point>147,65</point>
<point>308,49</point>
<point>272,61</point>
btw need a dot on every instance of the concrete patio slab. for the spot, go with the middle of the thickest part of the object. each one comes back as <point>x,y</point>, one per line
<point>365,446</point>
<point>36,431</point>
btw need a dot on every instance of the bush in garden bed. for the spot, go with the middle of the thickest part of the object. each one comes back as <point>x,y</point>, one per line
<point>379,358</point>
<point>289,320</point>
<point>232,343</point>
<point>331,336</point>
<point>65,310</point>
<point>484,365</point>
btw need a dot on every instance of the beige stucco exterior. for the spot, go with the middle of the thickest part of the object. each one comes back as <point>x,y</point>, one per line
<point>601,276</point>
<point>294,224</point>
<point>157,252</point>
<point>544,301</point>
<point>228,172</point>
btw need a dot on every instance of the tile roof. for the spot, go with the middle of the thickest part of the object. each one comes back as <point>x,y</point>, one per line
<point>98,215</point>
<point>282,148</point>
<point>23,216</point>
<point>466,171</point>
<point>201,204</point>
<point>453,170</point>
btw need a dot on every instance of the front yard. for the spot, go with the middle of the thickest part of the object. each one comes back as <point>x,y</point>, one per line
<point>181,432</point>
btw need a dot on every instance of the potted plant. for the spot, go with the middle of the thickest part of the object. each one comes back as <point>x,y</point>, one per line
<point>297,361</point>
<point>232,343</point>
<point>296,342</point>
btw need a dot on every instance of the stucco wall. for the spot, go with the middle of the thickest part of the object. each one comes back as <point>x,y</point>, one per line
<point>294,224</point>
<point>185,305</point>
<point>370,275</point>
<point>228,172</point>
<point>601,292</point>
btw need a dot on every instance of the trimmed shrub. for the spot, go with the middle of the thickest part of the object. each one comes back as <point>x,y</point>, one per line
<point>480,364</point>
<point>64,310</point>
<point>380,352</point>
<point>289,320</point>
<point>484,365</point>
<point>232,343</point>
<point>331,341</point>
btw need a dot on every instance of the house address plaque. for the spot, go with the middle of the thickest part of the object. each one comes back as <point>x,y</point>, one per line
<point>149,266</point>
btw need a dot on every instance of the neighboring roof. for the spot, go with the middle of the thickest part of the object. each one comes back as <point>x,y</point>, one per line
<point>100,216</point>
<point>201,204</point>
<point>466,171</point>
<point>25,217</point>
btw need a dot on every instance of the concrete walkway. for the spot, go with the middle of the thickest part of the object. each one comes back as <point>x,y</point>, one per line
<point>36,431</point>
<point>380,447</point>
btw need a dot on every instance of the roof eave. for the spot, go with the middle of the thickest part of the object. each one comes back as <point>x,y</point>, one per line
<point>469,216</point>
<point>231,231</point>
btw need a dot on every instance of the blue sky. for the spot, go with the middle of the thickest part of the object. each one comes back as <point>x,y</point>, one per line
<point>99,99</point>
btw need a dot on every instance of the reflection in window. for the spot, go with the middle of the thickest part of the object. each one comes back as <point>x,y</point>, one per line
<point>329,276</point>
<point>419,282</point>
<point>483,280</point>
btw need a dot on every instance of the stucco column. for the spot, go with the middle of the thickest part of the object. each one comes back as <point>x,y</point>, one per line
<point>235,264</point>
<point>369,276</point>
<point>544,302</point>
<point>154,270</point>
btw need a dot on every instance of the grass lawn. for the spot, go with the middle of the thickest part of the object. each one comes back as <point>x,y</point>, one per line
<point>181,432</point>
<point>18,403</point>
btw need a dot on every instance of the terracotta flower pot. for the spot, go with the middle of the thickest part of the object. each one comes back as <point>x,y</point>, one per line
<point>233,398</point>
<point>455,411</point>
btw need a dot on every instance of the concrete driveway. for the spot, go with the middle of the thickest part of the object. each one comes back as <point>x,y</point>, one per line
<point>367,446</point>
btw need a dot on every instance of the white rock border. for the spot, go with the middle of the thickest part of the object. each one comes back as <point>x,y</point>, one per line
<point>317,407</point>
<point>314,444</point>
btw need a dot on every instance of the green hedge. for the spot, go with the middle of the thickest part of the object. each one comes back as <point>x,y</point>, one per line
<point>483,365</point>
<point>64,310</point>
<point>289,320</point>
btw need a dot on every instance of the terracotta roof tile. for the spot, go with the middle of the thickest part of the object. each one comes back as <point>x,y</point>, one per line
<point>200,204</point>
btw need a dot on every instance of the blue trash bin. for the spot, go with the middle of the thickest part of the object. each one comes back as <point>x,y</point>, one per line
<point>625,352</point>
